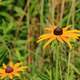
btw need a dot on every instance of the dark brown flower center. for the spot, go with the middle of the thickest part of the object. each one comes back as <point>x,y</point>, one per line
<point>58,31</point>
<point>9,69</point>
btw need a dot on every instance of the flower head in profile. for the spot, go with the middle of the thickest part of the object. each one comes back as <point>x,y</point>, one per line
<point>11,70</point>
<point>61,34</point>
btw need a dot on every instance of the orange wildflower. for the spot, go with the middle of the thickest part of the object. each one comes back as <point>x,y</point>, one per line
<point>61,34</point>
<point>11,70</point>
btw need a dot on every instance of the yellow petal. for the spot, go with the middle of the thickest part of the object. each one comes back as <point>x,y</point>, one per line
<point>16,74</point>
<point>75,37</point>
<point>44,35</point>
<point>22,68</point>
<point>64,29</point>
<point>2,71</point>
<point>3,76</point>
<point>70,46</point>
<point>43,38</point>
<point>11,64</point>
<point>18,64</point>
<point>60,39</point>
<point>71,35</point>
<point>48,42</point>
<point>73,31</point>
<point>4,66</point>
<point>48,28</point>
<point>11,76</point>
<point>67,41</point>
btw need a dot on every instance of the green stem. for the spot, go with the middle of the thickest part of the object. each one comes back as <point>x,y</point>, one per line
<point>68,69</point>
<point>41,13</point>
<point>57,66</point>
<point>51,77</point>
<point>60,69</point>
<point>57,61</point>
<point>51,74</point>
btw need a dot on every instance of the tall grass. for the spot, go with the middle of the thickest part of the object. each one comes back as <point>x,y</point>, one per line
<point>23,21</point>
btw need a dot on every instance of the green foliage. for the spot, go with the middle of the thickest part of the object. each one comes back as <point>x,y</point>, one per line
<point>22,21</point>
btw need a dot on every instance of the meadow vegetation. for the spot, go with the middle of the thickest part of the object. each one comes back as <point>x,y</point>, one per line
<point>23,21</point>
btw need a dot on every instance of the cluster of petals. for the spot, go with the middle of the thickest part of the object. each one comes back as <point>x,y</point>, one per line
<point>11,70</point>
<point>63,35</point>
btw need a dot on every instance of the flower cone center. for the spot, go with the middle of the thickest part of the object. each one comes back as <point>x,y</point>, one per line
<point>58,31</point>
<point>9,69</point>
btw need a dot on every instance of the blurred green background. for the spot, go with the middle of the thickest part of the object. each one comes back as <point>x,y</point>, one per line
<point>22,22</point>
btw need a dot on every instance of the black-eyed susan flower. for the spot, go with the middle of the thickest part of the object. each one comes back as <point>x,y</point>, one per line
<point>11,70</point>
<point>61,34</point>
